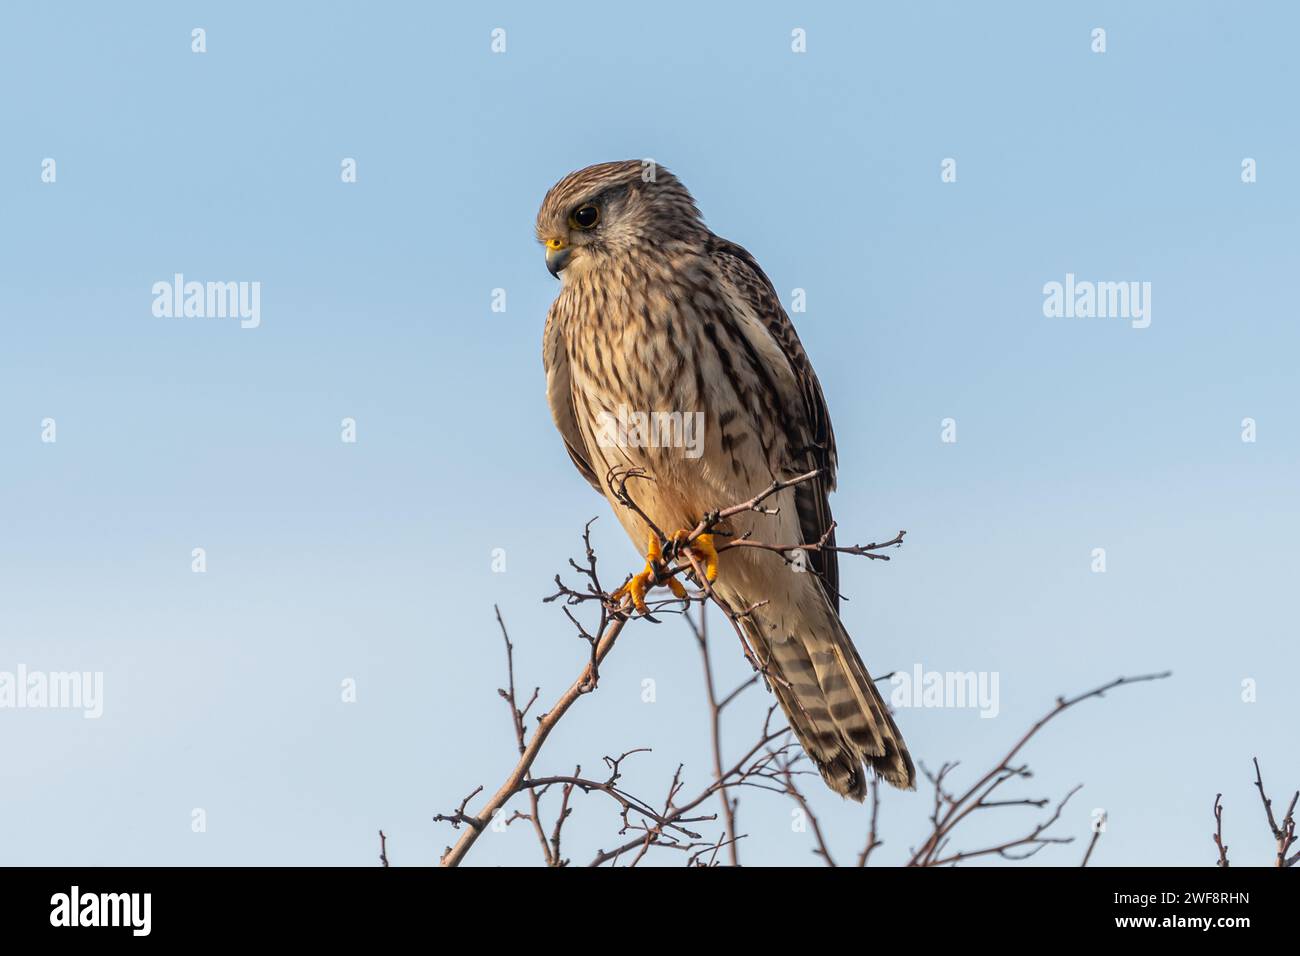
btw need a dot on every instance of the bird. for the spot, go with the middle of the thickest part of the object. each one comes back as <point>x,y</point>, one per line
<point>659,319</point>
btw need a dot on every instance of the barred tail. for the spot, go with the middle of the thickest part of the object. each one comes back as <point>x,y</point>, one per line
<point>832,704</point>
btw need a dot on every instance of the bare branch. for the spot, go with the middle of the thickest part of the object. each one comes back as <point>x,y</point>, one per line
<point>514,782</point>
<point>873,839</point>
<point>1218,831</point>
<point>785,766</point>
<point>749,770</point>
<point>701,632</point>
<point>1285,833</point>
<point>656,828</point>
<point>1092,845</point>
<point>517,714</point>
<point>950,810</point>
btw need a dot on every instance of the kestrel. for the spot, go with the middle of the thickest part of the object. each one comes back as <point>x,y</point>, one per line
<point>659,320</point>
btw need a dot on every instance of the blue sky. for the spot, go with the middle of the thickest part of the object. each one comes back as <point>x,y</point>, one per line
<point>329,561</point>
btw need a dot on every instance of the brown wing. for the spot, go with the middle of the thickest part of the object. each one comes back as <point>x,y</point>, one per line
<point>559,395</point>
<point>811,439</point>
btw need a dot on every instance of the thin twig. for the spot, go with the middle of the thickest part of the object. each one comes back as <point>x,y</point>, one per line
<point>1284,834</point>
<point>546,724</point>
<point>949,809</point>
<point>517,715</point>
<point>1218,831</point>
<point>822,849</point>
<point>701,632</point>
<point>1092,845</point>
<point>873,839</point>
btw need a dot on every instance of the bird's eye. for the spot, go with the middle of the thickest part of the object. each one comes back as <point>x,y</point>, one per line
<point>584,217</point>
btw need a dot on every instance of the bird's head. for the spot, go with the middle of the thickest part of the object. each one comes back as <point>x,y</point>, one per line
<point>598,215</point>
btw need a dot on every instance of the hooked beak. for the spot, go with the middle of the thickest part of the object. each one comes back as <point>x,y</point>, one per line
<point>557,256</point>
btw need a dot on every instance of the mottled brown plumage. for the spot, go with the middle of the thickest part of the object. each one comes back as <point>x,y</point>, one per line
<point>657,314</point>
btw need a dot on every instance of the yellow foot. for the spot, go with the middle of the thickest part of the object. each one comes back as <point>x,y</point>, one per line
<point>703,550</point>
<point>636,588</point>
